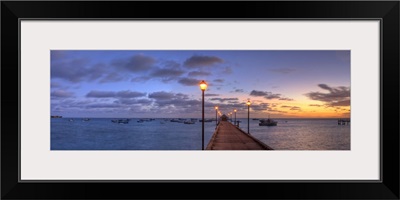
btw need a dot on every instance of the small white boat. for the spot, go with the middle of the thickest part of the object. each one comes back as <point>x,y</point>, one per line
<point>189,122</point>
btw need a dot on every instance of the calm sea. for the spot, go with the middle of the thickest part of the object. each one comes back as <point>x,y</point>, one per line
<point>160,134</point>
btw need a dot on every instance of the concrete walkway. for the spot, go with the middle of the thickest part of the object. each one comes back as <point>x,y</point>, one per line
<point>229,137</point>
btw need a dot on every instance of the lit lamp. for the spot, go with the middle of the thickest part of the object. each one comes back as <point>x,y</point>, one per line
<point>216,119</point>
<point>203,87</point>
<point>248,116</point>
<point>235,116</point>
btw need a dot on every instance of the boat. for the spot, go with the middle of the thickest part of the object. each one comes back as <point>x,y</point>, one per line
<point>188,122</point>
<point>267,122</point>
<point>86,119</point>
<point>343,121</point>
<point>120,121</point>
<point>123,121</point>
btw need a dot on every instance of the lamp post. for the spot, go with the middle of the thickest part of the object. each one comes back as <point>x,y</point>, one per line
<point>216,119</point>
<point>203,87</point>
<point>248,116</point>
<point>235,116</point>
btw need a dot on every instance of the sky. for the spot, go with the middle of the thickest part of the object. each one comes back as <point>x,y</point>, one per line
<point>165,83</point>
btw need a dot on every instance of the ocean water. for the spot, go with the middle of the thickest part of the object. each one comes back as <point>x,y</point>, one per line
<point>102,134</point>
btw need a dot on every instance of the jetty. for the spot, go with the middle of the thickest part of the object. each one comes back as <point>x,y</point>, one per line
<point>229,137</point>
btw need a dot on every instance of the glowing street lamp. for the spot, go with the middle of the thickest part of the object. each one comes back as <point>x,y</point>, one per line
<point>235,116</point>
<point>216,119</point>
<point>203,87</point>
<point>248,116</point>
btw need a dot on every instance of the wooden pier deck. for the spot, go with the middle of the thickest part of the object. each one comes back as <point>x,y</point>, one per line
<point>229,137</point>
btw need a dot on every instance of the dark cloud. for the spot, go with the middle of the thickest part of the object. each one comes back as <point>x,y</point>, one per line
<point>285,99</point>
<point>286,106</point>
<point>61,94</point>
<point>100,94</point>
<point>134,101</point>
<point>103,105</point>
<point>76,70</point>
<point>136,63</point>
<point>316,105</point>
<point>129,94</point>
<point>272,96</point>
<point>167,72</point>
<point>162,95</point>
<point>239,90</point>
<point>336,96</point>
<point>55,84</point>
<point>282,70</point>
<point>200,61</point>
<point>260,107</point>
<point>111,77</point>
<point>295,108</point>
<point>211,95</point>
<point>224,99</point>
<point>171,64</point>
<point>219,80</point>
<point>140,79</point>
<point>199,73</point>
<point>189,81</point>
<point>258,93</point>
<point>111,94</point>
<point>267,95</point>
<point>177,100</point>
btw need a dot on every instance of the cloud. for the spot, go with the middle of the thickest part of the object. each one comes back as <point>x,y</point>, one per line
<point>111,77</point>
<point>55,84</point>
<point>162,95</point>
<point>315,105</point>
<point>282,70</point>
<point>140,79</point>
<point>336,96</point>
<point>103,105</point>
<point>224,99</point>
<point>238,90</point>
<point>111,94</point>
<point>286,106</point>
<point>260,107</point>
<point>219,80</point>
<point>100,94</point>
<point>76,70</point>
<point>134,101</point>
<point>61,94</point>
<point>200,61</point>
<point>285,99</point>
<point>198,73</point>
<point>129,94</point>
<point>258,93</point>
<point>136,63</point>
<point>189,81</point>
<point>272,96</point>
<point>296,108</point>
<point>177,100</point>
<point>211,95</point>
<point>267,95</point>
<point>167,72</point>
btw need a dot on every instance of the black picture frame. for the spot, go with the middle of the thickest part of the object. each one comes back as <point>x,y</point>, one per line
<point>386,11</point>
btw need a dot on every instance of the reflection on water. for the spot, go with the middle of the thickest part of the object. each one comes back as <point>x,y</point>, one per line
<point>102,134</point>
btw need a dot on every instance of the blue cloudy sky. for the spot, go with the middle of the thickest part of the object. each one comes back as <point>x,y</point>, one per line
<point>164,83</point>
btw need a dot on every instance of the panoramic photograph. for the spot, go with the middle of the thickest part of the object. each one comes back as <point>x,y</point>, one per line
<point>200,100</point>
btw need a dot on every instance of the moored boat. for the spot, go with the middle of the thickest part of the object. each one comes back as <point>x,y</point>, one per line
<point>268,122</point>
